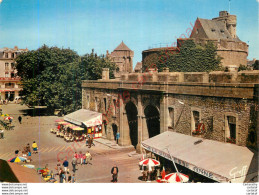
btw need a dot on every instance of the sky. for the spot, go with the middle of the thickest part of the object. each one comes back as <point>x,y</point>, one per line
<point>83,25</point>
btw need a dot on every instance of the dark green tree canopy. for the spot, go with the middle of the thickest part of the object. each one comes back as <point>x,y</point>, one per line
<point>52,76</point>
<point>92,66</point>
<point>191,57</point>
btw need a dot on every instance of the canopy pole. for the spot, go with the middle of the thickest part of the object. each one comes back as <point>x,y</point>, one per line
<point>177,172</point>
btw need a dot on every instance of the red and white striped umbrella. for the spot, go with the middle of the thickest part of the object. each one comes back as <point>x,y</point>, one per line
<point>176,178</point>
<point>8,118</point>
<point>149,162</point>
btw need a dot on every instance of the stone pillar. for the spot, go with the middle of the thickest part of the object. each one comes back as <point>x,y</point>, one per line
<point>145,134</point>
<point>164,114</point>
<point>165,69</point>
<point>140,115</point>
<point>124,139</point>
<point>105,74</point>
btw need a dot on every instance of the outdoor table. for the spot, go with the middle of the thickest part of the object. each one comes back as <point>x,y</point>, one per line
<point>67,138</point>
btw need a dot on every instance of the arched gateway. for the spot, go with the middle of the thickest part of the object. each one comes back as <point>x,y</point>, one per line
<point>132,115</point>
<point>153,120</point>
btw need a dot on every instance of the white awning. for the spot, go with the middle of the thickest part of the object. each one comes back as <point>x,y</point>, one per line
<point>222,162</point>
<point>86,117</point>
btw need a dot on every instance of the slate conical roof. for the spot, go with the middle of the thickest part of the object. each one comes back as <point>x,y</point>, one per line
<point>122,47</point>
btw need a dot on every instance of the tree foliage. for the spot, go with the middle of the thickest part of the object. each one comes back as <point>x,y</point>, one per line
<point>92,66</point>
<point>191,57</point>
<point>52,76</point>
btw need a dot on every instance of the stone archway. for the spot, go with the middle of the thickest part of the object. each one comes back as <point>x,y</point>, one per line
<point>132,115</point>
<point>153,120</point>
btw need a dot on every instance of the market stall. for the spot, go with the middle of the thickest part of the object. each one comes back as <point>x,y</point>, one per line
<point>90,121</point>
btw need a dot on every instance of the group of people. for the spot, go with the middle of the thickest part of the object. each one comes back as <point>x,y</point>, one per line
<point>10,121</point>
<point>63,172</point>
<point>81,159</point>
<point>26,151</point>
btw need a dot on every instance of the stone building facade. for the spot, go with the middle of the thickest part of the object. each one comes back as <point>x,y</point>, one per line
<point>10,83</point>
<point>220,30</point>
<point>142,105</point>
<point>123,58</point>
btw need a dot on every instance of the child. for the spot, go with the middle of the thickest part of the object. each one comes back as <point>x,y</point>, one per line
<point>73,179</point>
<point>35,147</point>
<point>29,156</point>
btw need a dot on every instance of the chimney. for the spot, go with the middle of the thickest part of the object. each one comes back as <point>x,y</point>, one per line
<point>105,74</point>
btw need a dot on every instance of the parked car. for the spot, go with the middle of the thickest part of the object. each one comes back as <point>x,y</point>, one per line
<point>17,100</point>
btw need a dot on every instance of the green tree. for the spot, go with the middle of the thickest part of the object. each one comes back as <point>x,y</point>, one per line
<point>91,66</point>
<point>52,77</point>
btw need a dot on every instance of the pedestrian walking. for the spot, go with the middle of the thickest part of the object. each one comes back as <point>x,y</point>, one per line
<point>1,134</point>
<point>76,156</point>
<point>28,148</point>
<point>58,167</point>
<point>114,173</point>
<point>61,175</point>
<point>35,147</point>
<point>29,156</point>
<point>92,140</point>
<point>89,142</point>
<point>80,156</point>
<point>117,137</point>
<point>84,159</point>
<point>69,179</point>
<point>20,119</point>
<point>65,164</point>
<point>88,157</point>
<point>74,163</point>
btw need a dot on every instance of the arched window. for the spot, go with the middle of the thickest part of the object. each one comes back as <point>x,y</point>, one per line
<point>231,129</point>
<point>195,120</point>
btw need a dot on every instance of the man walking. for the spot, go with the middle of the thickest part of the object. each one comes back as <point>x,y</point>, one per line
<point>20,119</point>
<point>114,173</point>
<point>74,162</point>
<point>65,164</point>
<point>88,157</point>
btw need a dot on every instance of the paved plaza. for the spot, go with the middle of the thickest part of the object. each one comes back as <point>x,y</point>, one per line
<point>105,153</point>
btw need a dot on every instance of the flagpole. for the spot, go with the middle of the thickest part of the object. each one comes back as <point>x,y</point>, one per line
<point>229,6</point>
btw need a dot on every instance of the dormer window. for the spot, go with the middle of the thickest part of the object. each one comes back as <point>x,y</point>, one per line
<point>222,31</point>
<point>213,30</point>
